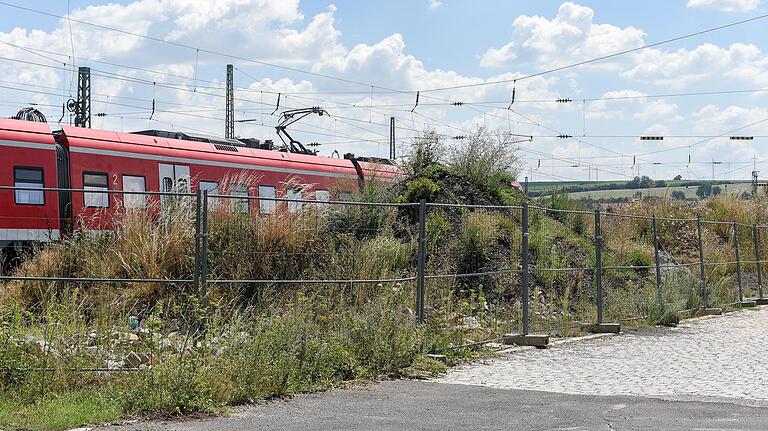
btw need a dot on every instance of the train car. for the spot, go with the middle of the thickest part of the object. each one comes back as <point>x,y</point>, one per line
<point>31,160</point>
<point>98,161</point>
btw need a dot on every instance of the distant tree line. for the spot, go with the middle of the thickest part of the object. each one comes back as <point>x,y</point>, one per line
<point>638,182</point>
<point>678,194</point>
<point>707,190</point>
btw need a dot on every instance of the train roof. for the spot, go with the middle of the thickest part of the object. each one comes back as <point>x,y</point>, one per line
<point>25,131</point>
<point>199,147</point>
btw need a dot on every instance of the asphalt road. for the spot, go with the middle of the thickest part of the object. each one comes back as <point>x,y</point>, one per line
<point>419,405</point>
<point>707,374</point>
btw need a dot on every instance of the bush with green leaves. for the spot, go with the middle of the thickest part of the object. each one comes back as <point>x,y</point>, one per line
<point>640,260</point>
<point>678,194</point>
<point>420,188</point>
<point>485,158</point>
<point>479,230</point>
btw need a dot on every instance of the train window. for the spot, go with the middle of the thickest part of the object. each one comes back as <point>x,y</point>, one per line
<point>182,185</point>
<point>293,207</point>
<point>133,183</point>
<point>213,189</point>
<point>266,206</point>
<point>95,181</point>
<point>239,190</point>
<point>323,195</point>
<point>28,178</point>
<point>211,186</point>
<point>167,184</point>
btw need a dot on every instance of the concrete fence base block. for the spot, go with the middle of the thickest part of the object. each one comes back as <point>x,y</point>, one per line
<point>711,311</point>
<point>439,358</point>
<point>698,312</point>
<point>747,303</point>
<point>761,301</point>
<point>602,328</point>
<point>539,341</point>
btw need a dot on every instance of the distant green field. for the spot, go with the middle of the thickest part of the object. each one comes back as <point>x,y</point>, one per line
<point>690,192</point>
<point>689,188</point>
<point>540,186</point>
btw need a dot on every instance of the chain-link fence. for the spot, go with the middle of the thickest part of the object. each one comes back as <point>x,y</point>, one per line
<point>172,266</point>
<point>473,266</point>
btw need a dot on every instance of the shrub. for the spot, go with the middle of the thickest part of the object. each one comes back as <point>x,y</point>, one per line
<point>640,259</point>
<point>485,158</point>
<point>426,152</point>
<point>420,188</point>
<point>438,227</point>
<point>707,190</point>
<point>382,257</point>
<point>478,231</point>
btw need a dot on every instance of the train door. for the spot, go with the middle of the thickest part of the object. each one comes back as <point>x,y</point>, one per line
<point>65,196</point>
<point>173,178</point>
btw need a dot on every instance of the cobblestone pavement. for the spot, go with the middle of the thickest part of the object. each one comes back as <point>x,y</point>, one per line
<point>723,358</point>
<point>705,374</point>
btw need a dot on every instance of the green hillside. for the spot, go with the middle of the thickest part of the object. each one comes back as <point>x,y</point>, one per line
<point>603,190</point>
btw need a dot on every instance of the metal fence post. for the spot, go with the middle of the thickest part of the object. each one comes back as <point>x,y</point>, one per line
<point>758,264</point>
<point>420,264</point>
<point>738,260</point>
<point>204,258</point>
<point>524,252</point>
<point>196,274</point>
<point>702,274</point>
<point>598,267</point>
<point>659,287</point>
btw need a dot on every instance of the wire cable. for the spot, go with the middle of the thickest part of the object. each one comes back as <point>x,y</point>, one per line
<point>601,58</point>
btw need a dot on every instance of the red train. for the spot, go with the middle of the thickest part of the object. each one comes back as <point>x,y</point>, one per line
<point>97,160</point>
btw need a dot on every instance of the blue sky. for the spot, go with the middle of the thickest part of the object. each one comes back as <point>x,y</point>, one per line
<point>419,45</point>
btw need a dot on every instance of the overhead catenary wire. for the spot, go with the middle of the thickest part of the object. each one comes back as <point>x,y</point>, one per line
<point>183,45</point>
<point>218,85</point>
<point>197,49</point>
<point>215,109</point>
<point>582,141</point>
<point>143,109</point>
<point>724,134</point>
<point>370,106</point>
<point>601,58</point>
<point>154,84</point>
<point>72,45</point>
<point>179,87</point>
<point>531,151</point>
<point>69,19</point>
<point>186,113</point>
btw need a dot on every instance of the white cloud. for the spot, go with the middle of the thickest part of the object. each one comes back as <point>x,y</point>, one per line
<point>570,36</point>
<point>716,120</point>
<point>608,109</point>
<point>391,67</point>
<point>434,4</point>
<point>272,30</point>
<point>265,29</point>
<point>224,15</point>
<point>278,32</point>
<point>745,62</point>
<point>657,129</point>
<point>657,110</point>
<point>681,67</point>
<point>712,119</point>
<point>726,5</point>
